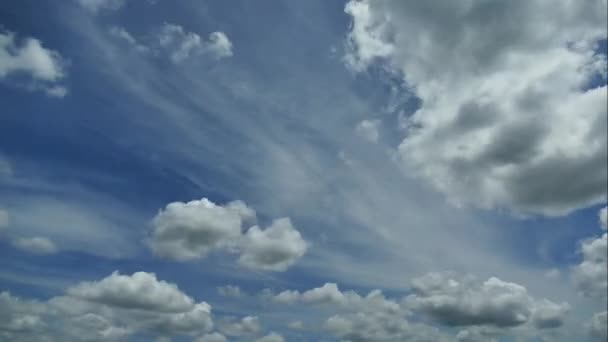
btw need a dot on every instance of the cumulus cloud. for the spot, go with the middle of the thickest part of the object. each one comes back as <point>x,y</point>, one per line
<point>598,327</point>
<point>181,45</point>
<point>463,301</point>
<point>94,6</point>
<point>186,231</point>
<point>248,325</point>
<point>95,311</point>
<point>35,245</point>
<point>591,275</point>
<point>44,68</point>
<point>369,130</point>
<point>140,290</point>
<point>272,337</point>
<point>275,248</point>
<point>499,84</point>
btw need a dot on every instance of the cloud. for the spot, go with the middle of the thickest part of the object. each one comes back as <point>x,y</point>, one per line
<point>35,245</point>
<point>603,215</point>
<point>598,327</point>
<point>4,219</point>
<point>95,6</point>
<point>139,291</point>
<point>230,291</point>
<point>111,309</point>
<point>213,337</point>
<point>463,301</point>
<point>44,68</point>
<point>369,130</point>
<point>182,45</point>
<point>272,337</point>
<point>249,325</point>
<point>186,231</point>
<point>591,275</point>
<point>275,248</point>
<point>296,325</point>
<point>498,96</point>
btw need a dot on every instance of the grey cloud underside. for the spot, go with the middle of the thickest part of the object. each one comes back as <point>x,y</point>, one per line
<point>501,85</point>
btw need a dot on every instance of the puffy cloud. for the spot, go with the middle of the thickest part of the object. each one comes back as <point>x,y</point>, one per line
<point>213,337</point>
<point>185,231</point>
<point>96,311</point>
<point>35,245</point>
<point>369,130</point>
<point>462,301</point>
<point>604,218</point>
<point>591,275</point>
<point>139,291</point>
<point>44,67</point>
<point>272,337</point>
<point>248,325</point>
<point>499,83</point>
<point>275,248</point>
<point>598,327</point>
<point>94,6</point>
<point>182,45</point>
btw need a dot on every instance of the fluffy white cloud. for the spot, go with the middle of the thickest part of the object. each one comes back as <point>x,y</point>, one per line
<point>275,248</point>
<point>604,218</point>
<point>499,84</point>
<point>463,301</point>
<point>35,245</point>
<point>598,327</point>
<point>94,6</point>
<point>591,275</point>
<point>185,231</point>
<point>213,337</point>
<point>182,45</point>
<point>248,325</point>
<point>96,311</point>
<point>44,67</point>
<point>139,291</point>
<point>369,130</point>
<point>272,337</point>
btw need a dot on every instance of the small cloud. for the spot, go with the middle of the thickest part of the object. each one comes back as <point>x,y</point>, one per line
<point>369,130</point>
<point>182,45</point>
<point>35,245</point>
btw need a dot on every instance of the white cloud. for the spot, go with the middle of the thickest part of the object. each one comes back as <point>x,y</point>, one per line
<point>110,310</point>
<point>463,301</point>
<point>44,67</point>
<point>248,325</point>
<point>604,218</point>
<point>275,248</point>
<point>272,337</point>
<point>94,6</point>
<point>122,34</point>
<point>35,245</point>
<point>213,337</point>
<point>498,97</point>
<point>369,130</point>
<point>591,275</point>
<point>598,327</point>
<point>182,45</point>
<point>139,291</point>
<point>186,231</point>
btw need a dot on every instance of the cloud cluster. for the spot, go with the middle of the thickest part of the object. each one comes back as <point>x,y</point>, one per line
<point>499,84</point>
<point>111,309</point>
<point>186,231</point>
<point>591,275</point>
<point>463,301</point>
<point>29,65</point>
<point>183,45</point>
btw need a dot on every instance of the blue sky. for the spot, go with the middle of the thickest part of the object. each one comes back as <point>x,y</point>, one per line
<point>305,154</point>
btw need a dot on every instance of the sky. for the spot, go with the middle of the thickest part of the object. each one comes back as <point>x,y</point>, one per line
<point>303,170</point>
